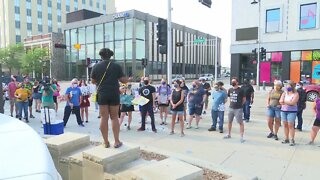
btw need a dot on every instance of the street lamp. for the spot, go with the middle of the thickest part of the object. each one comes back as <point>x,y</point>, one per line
<point>254,2</point>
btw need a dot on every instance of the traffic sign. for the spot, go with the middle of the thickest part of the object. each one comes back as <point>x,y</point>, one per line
<point>77,46</point>
<point>197,41</point>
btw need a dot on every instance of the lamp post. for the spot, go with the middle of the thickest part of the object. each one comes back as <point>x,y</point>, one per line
<point>254,2</point>
<point>169,45</point>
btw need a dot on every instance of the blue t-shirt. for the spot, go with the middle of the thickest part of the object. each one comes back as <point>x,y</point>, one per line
<point>196,95</point>
<point>219,98</point>
<point>76,93</point>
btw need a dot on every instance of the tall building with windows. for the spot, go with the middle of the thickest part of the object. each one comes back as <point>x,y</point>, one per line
<point>288,30</point>
<point>22,18</point>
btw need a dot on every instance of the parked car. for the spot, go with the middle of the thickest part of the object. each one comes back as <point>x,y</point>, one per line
<point>207,77</point>
<point>227,74</point>
<point>313,91</point>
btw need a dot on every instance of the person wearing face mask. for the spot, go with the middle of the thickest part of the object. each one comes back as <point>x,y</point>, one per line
<point>219,97</point>
<point>149,92</point>
<point>164,92</point>
<point>249,93</point>
<point>185,90</point>
<point>237,100</point>
<point>126,107</point>
<point>301,104</point>
<point>22,96</point>
<point>289,107</point>
<point>273,110</point>
<point>85,103</point>
<point>74,97</point>
<point>206,86</point>
<point>196,98</point>
<point>177,104</point>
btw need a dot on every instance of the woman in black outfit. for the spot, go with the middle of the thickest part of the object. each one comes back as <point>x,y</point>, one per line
<point>177,106</point>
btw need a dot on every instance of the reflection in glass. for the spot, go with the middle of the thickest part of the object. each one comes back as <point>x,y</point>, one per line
<point>99,33</point>
<point>108,31</point>
<point>90,34</point>
<point>140,29</point>
<point>140,50</point>
<point>276,71</point>
<point>119,30</point>
<point>295,55</point>
<point>98,47</point>
<point>119,50</point>
<point>67,35</point>
<point>90,51</point>
<point>128,28</point>
<point>74,37</point>
<point>109,45</point>
<point>82,35</point>
<point>128,49</point>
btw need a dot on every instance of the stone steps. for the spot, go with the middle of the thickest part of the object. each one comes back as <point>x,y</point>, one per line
<point>76,159</point>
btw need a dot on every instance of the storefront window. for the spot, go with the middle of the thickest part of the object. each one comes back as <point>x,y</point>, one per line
<point>140,50</point>
<point>82,53</point>
<point>90,34</point>
<point>295,55</point>
<point>82,35</point>
<point>90,51</point>
<point>99,33</point>
<point>306,70</point>
<point>306,55</point>
<point>128,49</point>
<point>67,35</point>
<point>99,46</point>
<point>119,30</point>
<point>108,31</point>
<point>74,37</point>
<point>276,71</point>
<point>119,50</point>
<point>140,29</point>
<point>268,57</point>
<point>108,45</point>
<point>316,55</point>
<point>276,57</point>
<point>128,28</point>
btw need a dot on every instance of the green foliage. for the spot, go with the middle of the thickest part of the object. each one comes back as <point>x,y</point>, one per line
<point>11,55</point>
<point>316,55</point>
<point>34,60</point>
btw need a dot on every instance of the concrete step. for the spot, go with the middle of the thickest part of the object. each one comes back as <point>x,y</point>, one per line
<point>100,160</point>
<point>168,169</point>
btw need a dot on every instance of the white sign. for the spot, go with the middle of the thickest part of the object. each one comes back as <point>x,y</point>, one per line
<point>121,15</point>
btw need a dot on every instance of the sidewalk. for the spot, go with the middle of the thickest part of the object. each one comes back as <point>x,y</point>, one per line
<point>257,157</point>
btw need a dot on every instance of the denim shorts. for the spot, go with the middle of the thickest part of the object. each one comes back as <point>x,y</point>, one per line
<point>288,116</point>
<point>274,112</point>
<point>177,112</point>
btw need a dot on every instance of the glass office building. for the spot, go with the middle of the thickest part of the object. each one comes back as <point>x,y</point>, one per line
<point>132,35</point>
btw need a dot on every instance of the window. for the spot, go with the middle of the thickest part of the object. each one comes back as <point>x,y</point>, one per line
<point>39,28</point>
<point>17,10</point>
<point>83,4</point>
<point>49,3</point>
<point>68,8</point>
<point>17,17</point>
<point>50,16</point>
<point>295,55</point>
<point>99,33</point>
<point>39,14</point>
<point>17,24</point>
<point>16,2</point>
<point>59,5</point>
<point>273,20</point>
<point>140,29</point>
<point>28,1</point>
<point>49,28</point>
<point>39,2</point>
<point>18,38</point>
<point>90,34</point>
<point>129,28</point>
<point>40,21</point>
<point>28,12</point>
<point>59,30</point>
<point>59,18</point>
<point>98,5</point>
<point>104,7</point>
<point>108,32</point>
<point>39,7</point>
<point>91,3</point>
<point>308,14</point>
<point>29,26</point>
<point>119,30</point>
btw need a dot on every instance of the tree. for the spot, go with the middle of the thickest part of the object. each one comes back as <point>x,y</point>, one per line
<point>11,56</point>
<point>34,60</point>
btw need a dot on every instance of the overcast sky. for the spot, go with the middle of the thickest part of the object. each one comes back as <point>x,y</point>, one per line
<point>215,21</point>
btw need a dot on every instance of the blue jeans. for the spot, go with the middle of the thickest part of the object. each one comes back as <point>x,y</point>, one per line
<point>23,106</point>
<point>144,110</point>
<point>215,115</point>
<point>246,110</point>
<point>300,120</point>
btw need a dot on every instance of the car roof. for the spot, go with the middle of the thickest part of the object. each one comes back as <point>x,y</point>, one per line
<point>23,150</point>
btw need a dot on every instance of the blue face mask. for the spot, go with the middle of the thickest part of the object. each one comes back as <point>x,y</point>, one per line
<point>175,86</point>
<point>163,83</point>
<point>194,86</point>
<point>289,89</point>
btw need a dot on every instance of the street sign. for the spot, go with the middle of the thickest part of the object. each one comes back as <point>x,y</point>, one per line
<point>77,46</point>
<point>197,41</point>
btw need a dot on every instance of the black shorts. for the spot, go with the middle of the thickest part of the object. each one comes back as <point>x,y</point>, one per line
<point>55,99</point>
<point>317,122</point>
<point>30,102</point>
<point>111,99</point>
<point>163,105</point>
<point>125,108</point>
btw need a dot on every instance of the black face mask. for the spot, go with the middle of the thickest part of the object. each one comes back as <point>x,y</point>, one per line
<point>233,83</point>
<point>146,82</point>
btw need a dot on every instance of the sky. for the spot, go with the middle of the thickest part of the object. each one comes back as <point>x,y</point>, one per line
<point>215,20</point>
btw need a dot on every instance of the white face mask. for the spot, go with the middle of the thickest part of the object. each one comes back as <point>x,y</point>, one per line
<point>75,85</point>
<point>298,86</point>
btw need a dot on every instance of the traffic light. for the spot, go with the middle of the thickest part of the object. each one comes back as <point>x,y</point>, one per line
<point>179,44</point>
<point>144,62</point>
<point>254,54</point>
<point>88,61</point>
<point>61,46</point>
<point>263,54</point>
<point>162,31</point>
<point>206,3</point>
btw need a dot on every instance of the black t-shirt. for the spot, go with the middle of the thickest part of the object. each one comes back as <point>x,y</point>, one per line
<point>147,91</point>
<point>176,96</point>
<point>206,87</point>
<point>236,96</point>
<point>110,83</point>
<point>185,89</point>
<point>248,90</point>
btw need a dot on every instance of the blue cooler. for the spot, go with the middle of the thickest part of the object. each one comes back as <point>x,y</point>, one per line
<point>55,128</point>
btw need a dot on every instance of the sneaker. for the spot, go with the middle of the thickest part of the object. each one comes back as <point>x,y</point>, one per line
<point>221,131</point>
<point>182,134</point>
<point>227,136</point>
<point>128,128</point>
<point>162,123</point>
<point>99,117</point>
<point>242,140</point>
<point>165,123</point>
<point>188,127</point>
<point>11,115</point>
<point>292,143</point>
<point>299,129</point>
<point>17,116</point>
<point>171,133</point>
<point>140,129</point>
<point>276,137</point>
<point>247,120</point>
<point>270,135</point>
<point>197,127</point>
<point>212,129</point>
<point>310,143</point>
<point>81,125</point>
<point>27,121</point>
<point>286,141</point>
<point>31,116</point>
<point>154,130</point>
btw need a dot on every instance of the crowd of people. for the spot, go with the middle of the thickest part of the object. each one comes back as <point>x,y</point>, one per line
<point>113,96</point>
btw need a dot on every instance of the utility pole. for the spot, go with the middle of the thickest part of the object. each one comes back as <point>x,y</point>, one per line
<point>1,88</point>
<point>216,60</point>
<point>169,45</point>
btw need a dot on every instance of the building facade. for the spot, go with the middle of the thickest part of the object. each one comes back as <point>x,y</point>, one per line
<point>22,18</point>
<point>55,68</point>
<point>132,35</point>
<point>288,30</point>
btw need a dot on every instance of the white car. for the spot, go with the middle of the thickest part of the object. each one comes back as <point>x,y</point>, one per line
<point>23,154</point>
<point>207,77</point>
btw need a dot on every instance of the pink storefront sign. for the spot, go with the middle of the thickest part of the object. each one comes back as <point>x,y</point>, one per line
<point>276,57</point>
<point>265,68</point>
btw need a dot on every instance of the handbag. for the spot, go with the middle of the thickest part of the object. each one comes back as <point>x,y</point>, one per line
<point>94,95</point>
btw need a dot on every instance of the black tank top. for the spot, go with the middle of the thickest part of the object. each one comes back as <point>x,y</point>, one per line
<point>176,96</point>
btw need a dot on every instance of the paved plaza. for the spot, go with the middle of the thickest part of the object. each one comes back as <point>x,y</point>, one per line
<point>257,157</point>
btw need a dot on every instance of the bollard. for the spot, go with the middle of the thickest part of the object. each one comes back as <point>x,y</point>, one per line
<point>264,85</point>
